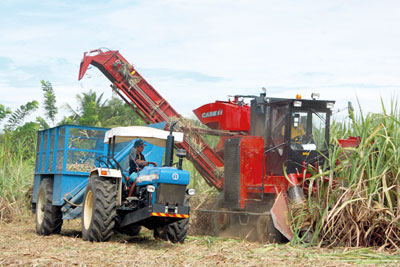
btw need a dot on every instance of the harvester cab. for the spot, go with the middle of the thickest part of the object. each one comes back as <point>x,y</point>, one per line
<point>295,131</point>
<point>155,197</point>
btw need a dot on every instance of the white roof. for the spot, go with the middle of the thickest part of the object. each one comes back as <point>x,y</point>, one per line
<point>148,134</point>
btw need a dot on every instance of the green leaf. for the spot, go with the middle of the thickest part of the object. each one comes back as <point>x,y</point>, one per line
<point>49,101</point>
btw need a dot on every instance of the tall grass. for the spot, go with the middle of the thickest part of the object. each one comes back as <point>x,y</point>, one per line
<point>16,176</point>
<point>355,200</point>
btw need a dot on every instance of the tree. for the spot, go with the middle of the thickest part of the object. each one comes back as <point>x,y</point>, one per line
<point>17,117</point>
<point>93,111</point>
<point>118,113</point>
<point>89,108</point>
<point>19,132</point>
<point>49,101</point>
<point>4,112</point>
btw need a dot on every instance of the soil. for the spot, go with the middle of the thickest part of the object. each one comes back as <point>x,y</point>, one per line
<point>20,245</point>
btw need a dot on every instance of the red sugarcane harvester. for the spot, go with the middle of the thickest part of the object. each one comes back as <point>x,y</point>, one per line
<point>259,144</point>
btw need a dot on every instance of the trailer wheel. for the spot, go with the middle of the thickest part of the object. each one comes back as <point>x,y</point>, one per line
<point>48,217</point>
<point>221,221</point>
<point>175,232</point>
<point>99,209</point>
<point>131,229</point>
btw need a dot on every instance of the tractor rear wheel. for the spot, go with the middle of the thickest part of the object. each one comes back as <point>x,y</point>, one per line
<point>99,209</point>
<point>48,217</point>
<point>175,232</point>
<point>221,221</point>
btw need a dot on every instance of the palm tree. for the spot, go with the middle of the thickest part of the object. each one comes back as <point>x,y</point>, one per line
<point>89,108</point>
<point>93,111</point>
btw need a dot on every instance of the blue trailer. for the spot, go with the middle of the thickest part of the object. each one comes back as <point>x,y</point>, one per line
<point>73,160</point>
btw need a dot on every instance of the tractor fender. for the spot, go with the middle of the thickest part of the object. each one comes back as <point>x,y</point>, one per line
<point>106,172</point>
<point>112,174</point>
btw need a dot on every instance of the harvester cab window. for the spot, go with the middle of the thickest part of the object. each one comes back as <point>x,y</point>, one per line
<point>278,122</point>
<point>308,131</point>
<point>318,130</point>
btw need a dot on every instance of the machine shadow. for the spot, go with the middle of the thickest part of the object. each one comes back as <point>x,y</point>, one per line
<point>145,239</point>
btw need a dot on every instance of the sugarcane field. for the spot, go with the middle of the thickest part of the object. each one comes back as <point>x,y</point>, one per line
<point>208,133</point>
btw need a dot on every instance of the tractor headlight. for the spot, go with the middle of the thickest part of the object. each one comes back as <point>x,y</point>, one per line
<point>147,178</point>
<point>191,191</point>
<point>151,188</point>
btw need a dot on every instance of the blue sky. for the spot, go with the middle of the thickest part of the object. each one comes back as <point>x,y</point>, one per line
<point>195,52</point>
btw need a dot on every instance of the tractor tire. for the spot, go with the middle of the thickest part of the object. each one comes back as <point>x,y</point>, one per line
<point>220,221</point>
<point>48,217</point>
<point>131,229</point>
<point>175,232</point>
<point>99,209</point>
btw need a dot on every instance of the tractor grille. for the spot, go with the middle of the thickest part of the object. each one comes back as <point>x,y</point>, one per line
<point>232,173</point>
<point>170,193</point>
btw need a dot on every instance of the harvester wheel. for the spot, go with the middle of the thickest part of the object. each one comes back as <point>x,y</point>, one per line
<point>99,209</point>
<point>267,232</point>
<point>175,232</point>
<point>131,229</point>
<point>48,217</point>
<point>221,221</point>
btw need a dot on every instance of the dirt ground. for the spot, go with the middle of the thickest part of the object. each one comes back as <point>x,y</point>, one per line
<point>19,245</point>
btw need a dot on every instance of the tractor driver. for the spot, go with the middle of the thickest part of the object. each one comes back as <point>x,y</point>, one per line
<point>137,160</point>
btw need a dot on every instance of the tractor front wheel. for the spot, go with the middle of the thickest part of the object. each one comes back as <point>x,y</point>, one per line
<point>175,232</point>
<point>99,209</point>
<point>48,217</point>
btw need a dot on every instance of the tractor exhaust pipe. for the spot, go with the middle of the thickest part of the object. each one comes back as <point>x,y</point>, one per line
<point>169,148</point>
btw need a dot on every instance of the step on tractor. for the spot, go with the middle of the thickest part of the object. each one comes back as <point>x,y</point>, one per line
<point>107,197</point>
<point>264,151</point>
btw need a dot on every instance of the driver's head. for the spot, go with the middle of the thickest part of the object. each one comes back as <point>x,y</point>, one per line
<point>139,145</point>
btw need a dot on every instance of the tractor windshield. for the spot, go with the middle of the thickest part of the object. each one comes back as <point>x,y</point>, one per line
<point>308,130</point>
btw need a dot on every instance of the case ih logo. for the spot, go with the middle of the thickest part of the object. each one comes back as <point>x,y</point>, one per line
<point>175,176</point>
<point>212,114</point>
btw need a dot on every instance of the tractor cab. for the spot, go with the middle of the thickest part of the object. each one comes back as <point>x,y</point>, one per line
<point>296,131</point>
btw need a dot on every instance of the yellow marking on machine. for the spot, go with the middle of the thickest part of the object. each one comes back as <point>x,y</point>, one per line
<point>160,214</point>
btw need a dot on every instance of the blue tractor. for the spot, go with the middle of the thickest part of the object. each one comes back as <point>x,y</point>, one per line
<point>107,197</point>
